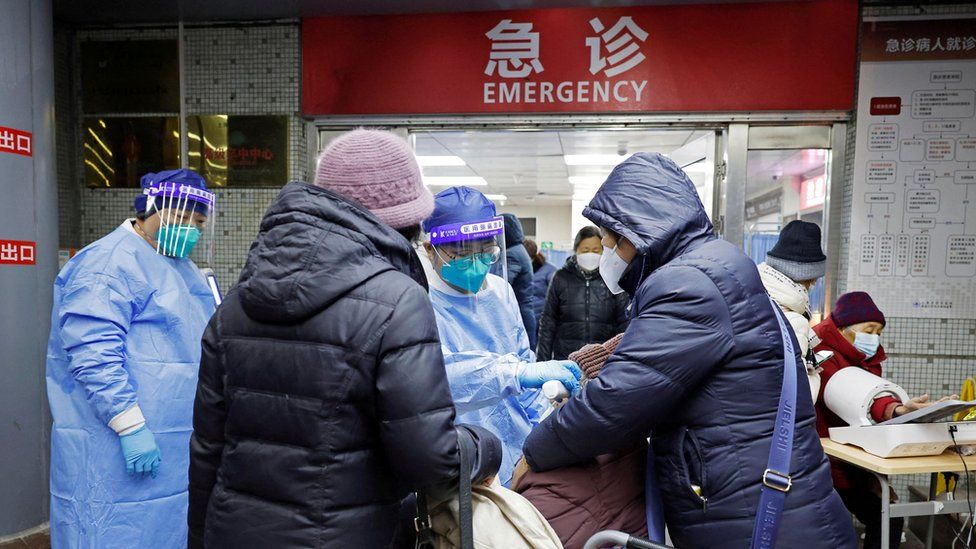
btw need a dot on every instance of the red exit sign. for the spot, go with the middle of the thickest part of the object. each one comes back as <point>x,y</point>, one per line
<point>882,106</point>
<point>16,141</point>
<point>18,252</point>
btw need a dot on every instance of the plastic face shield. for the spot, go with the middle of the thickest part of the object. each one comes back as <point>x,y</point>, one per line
<point>464,254</point>
<point>186,220</point>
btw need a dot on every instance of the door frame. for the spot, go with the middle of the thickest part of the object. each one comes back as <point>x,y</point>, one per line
<point>732,146</point>
<point>831,136</point>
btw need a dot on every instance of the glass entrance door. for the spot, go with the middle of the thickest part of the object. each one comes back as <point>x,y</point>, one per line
<point>788,176</point>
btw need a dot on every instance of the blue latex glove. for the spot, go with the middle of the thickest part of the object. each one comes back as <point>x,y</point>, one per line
<point>140,452</point>
<point>534,374</point>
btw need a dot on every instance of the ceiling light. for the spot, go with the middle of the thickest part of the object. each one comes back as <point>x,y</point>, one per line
<point>586,180</point>
<point>494,197</point>
<point>448,160</point>
<point>454,181</point>
<point>593,159</point>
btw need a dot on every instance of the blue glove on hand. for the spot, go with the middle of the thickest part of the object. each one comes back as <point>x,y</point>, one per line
<point>534,374</point>
<point>140,452</point>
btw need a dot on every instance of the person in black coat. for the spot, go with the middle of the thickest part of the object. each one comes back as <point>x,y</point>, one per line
<point>520,272</point>
<point>579,307</point>
<point>700,369</point>
<point>322,399</point>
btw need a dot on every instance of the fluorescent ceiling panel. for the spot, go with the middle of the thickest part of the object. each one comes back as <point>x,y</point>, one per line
<point>594,159</point>
<point>445,160</point>
<point>449,181</point>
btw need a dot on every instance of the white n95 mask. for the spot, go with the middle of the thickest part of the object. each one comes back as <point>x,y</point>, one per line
<point>589,261</point>
<point>612,267</point>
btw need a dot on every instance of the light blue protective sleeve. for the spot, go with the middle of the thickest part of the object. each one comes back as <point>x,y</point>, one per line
<point>480,379</point>
<point>531,400</point>
<point>484,345</point>
<point>94,320</point>
<point>480,376</point>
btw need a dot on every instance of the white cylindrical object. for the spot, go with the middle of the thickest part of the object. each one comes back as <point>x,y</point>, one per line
<point>554,390</point>
<point>851,392</point>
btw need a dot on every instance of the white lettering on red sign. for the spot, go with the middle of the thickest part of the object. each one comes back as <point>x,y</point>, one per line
<point>582,91</point>
<point>623,52</point>
<point>16,141</point>
<point>926,44</point>
<point>514,50</point>
<point>515,54</point>
<point>18,252</point>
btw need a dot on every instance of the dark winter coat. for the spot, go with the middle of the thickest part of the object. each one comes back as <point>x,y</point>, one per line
<point>322,397</point>
<point>579,310</point>
<point>541,279</point>
<point>700,367</point>
<point>520,274</point>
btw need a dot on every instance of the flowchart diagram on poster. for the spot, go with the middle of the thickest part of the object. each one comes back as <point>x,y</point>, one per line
<point>913,224</point>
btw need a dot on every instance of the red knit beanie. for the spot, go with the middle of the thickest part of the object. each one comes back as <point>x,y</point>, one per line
<point>854,308</point>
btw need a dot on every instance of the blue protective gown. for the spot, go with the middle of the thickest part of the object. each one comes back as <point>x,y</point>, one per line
<point>484,341</point>
<point>125,329</point>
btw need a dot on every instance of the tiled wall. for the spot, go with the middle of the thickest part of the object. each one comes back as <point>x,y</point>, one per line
<point>230,69</point>
<point>926,355</point>
<point>66,139</point>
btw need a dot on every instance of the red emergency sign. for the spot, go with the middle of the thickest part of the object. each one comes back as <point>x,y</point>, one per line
<point>727,57</point>
<point>16,141</point>
<point>18,252</point>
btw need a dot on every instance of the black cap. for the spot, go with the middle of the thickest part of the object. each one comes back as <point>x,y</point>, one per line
<point>797,253</point>
<point>799,241</point>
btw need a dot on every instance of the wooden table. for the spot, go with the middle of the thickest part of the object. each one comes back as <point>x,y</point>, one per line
<point>948,462</point>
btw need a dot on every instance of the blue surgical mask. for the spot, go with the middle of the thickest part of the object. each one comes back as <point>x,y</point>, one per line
<point>466,274</point>
<point>867,343</point>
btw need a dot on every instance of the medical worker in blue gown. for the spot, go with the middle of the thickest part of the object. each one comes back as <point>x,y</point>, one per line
<point>493,374</point>
<point>129,312</point>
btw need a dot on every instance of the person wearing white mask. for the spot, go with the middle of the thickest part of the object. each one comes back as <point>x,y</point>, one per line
<point>702,368</point>
<point>580,309</point>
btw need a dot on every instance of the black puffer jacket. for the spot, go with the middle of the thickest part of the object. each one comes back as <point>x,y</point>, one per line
<point>579,309</point>
<point>322,398</point>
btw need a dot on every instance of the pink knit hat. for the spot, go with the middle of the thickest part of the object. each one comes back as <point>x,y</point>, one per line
<point>378,170</point>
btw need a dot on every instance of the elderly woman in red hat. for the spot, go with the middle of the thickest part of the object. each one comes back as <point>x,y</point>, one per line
<point>853,333</point>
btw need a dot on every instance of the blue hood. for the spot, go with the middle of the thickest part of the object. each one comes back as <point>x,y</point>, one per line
<point>514,234</point>
<point>650,201</point>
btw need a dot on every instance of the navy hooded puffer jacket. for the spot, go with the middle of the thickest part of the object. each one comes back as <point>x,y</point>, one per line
<point>700,367</point>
